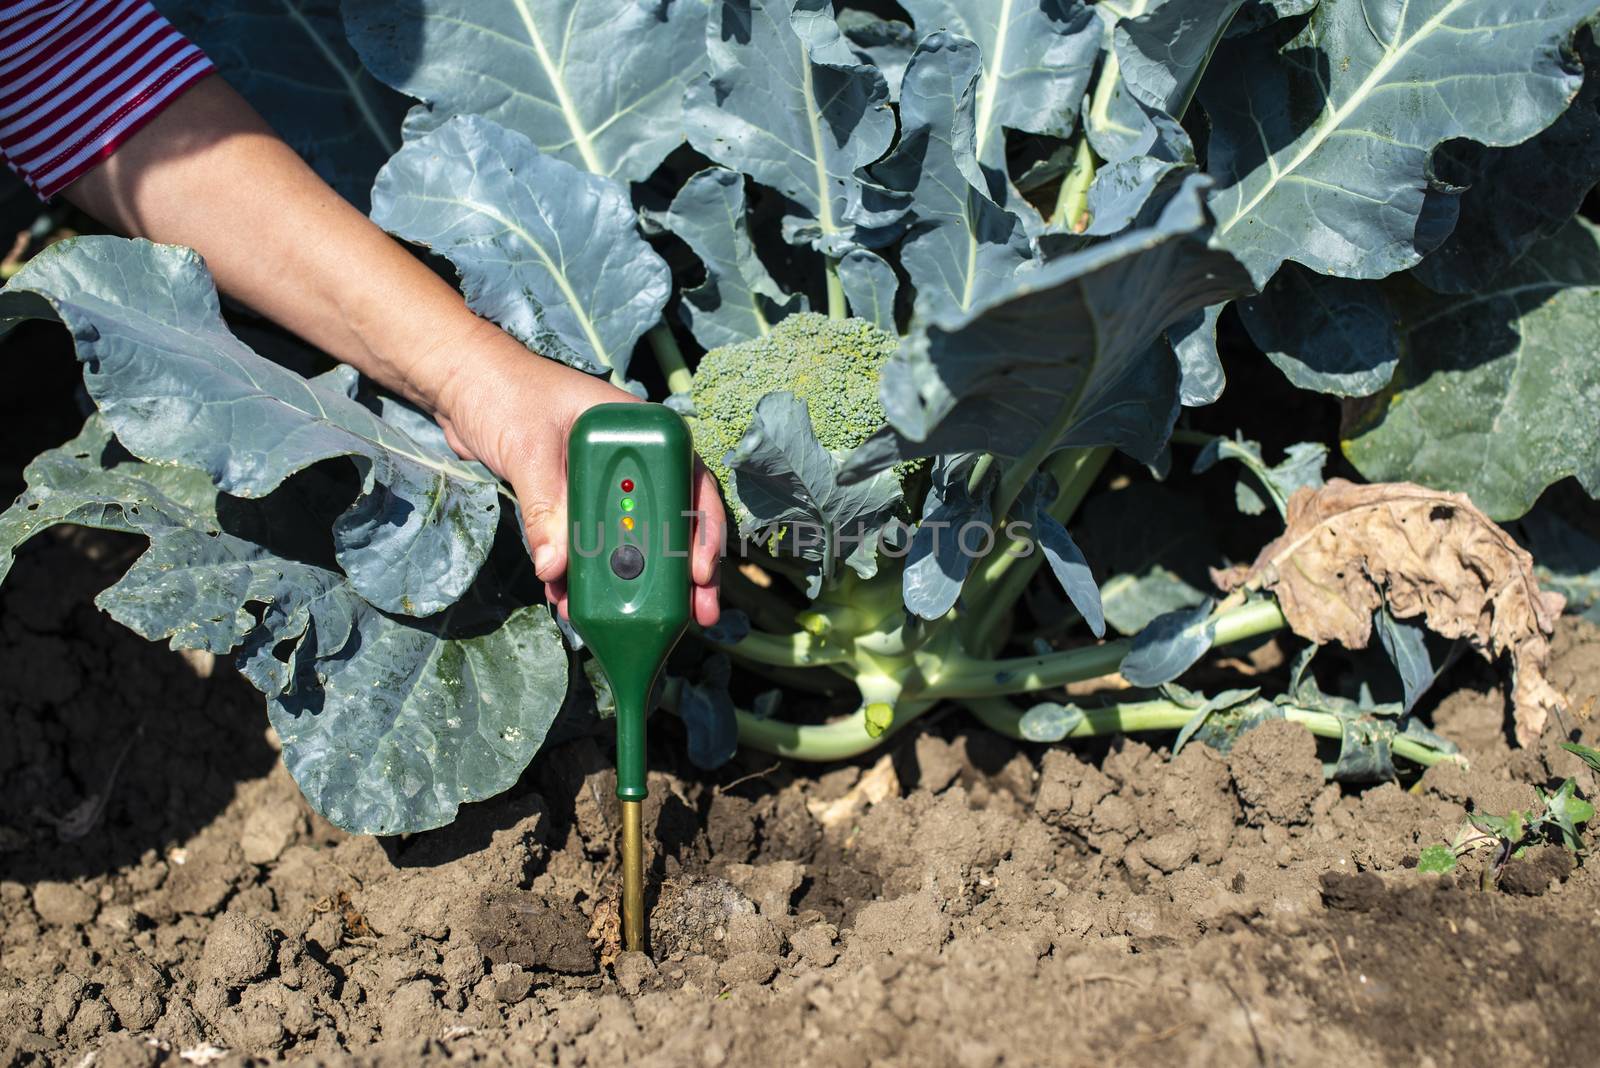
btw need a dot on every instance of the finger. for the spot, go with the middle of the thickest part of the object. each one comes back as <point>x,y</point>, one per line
<point>711,526</point>
<point>544,521</point>
<point>707,609</point>
<point>555,595</point>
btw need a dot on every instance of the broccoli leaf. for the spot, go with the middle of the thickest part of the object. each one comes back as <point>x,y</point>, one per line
<point>1257,14</point>
<point>786,478</point>
<point>1407,646</point>
<point>1170,645</point>
<point>1332,335</point>
<point>708,715</point>
<point>292,62</point>
<point>1120,191</point>
<point>546,250</point>
<point>1301,466</point>
<point>1194,342</point>
<point>1322,148</point>
<point>1222,702</point>
<point>1071,569</point>
<point>1037,56</point>
<point>1514,197</point>
<point>1491,392</point>
<point>738,300</point>
<point>936,564</point>
<point>1163,51</point>
<point>1566,811</point>
<point>1050,722</point>
<point>962,246</point>
<point>1158,50</point>
<point>885,43</point>
<point>178,388</point>
<point>388,724</point>
<point>1062,355</point>
<point>597,83</point>
<point>789,104</point>
<point>1566,560</point>
<point>870,286</point>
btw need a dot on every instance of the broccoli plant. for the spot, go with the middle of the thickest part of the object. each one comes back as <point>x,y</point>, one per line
<point>913,275</point>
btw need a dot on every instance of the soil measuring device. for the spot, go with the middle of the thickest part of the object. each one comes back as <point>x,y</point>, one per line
<point>628,472</point>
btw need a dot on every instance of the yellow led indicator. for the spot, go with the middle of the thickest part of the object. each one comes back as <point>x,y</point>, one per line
<point>627,504</point>
<point>627,522</point>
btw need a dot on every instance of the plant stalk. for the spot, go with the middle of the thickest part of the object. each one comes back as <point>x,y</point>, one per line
<point>1000,715</point>
<point>838,740</point>
<point>1024,674</point>
<point>838,307</point>
<point>669,357</point>
<point>1072,202</point>
<point>800,649</point>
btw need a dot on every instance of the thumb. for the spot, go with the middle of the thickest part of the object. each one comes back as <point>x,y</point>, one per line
<point>544,524</point>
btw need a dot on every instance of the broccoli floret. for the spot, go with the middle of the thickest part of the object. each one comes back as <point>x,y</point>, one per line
<point>831,364</point>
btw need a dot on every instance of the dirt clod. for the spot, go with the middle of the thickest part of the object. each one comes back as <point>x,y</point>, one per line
<point>268,832</point>
<point>751,967</point>
<point>695,916</point>
<point>1532,873</point>
<point>62,904</point>
<point>633,970</point>
<point>1277,772</point>
<point>535,933</point>
<point>239,949</point>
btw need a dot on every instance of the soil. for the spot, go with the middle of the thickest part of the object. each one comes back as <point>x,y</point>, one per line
<point>168,898</point>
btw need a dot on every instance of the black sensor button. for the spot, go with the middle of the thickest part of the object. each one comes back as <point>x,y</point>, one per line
<point>627,562</point>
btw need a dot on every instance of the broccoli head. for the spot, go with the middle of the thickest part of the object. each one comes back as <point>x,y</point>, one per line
<point>831,364</point>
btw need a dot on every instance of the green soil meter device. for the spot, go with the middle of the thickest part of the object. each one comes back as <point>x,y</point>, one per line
<point>628,491</point>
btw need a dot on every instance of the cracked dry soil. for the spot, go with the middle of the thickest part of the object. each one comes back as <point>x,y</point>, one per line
<point>167,897</point>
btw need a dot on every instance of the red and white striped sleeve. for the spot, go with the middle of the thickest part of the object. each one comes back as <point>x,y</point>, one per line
<point>80,77</point>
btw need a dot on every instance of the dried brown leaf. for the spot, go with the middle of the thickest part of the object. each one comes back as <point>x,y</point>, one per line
<point>605,930</point>
<point>1348,549</point>
<point>878,783</point>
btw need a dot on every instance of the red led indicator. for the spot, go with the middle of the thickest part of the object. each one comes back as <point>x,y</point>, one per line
<point>627,485</point>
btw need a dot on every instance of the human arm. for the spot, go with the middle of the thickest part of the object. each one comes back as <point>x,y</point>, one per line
<point>208,172</point>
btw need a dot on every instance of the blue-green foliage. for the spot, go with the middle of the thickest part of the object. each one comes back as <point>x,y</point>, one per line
<point>865,172</point>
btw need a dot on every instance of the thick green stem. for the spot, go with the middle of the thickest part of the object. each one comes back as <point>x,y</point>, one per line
<point>839,740</point>
<point>786,650</point>
<point>980,471</point>
<point>1000,715</point>
<point>669,357</point>
<point>1192,437</point>
<point>1072,202</point>
<point>962,677</point>
<point>838,308</point>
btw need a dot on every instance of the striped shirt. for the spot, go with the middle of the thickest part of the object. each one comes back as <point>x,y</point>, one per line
<point>80,77</point>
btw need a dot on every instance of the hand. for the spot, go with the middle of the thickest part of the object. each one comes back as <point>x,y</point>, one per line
<point>512,411</point>
<point>197,174</point>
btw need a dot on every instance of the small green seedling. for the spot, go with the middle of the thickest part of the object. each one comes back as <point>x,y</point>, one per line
<point>1589,756</point>
<point>1511,835</point>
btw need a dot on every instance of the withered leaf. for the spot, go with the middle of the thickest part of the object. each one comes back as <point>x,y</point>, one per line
<point>1349,549</point>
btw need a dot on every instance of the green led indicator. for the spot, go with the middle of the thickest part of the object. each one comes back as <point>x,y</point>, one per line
<point>627,504</point>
